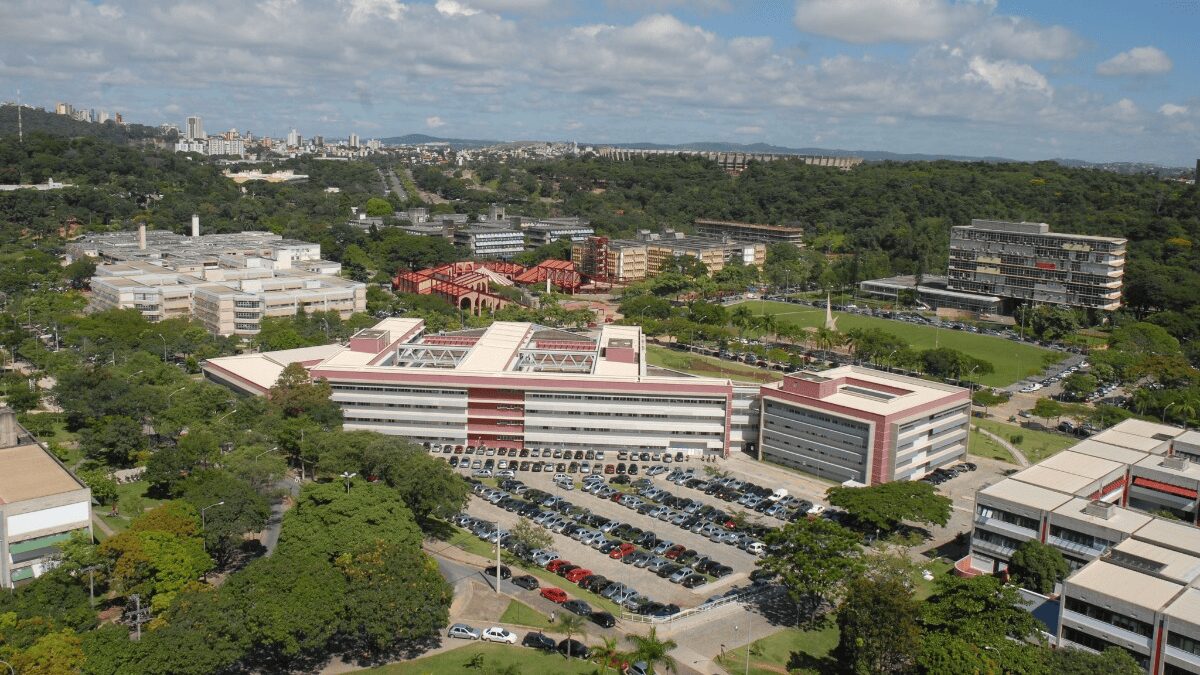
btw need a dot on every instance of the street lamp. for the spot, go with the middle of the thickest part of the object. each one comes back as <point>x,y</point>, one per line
<point>174,392</point>
<point>347,475</point>
<point>160,335</point>
<point>1169,406</point>
<point>222,417</point>
<point>202,522</point>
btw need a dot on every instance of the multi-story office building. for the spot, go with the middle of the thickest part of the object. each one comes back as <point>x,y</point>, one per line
<point>863,425</point>
<point>1026,262</point>
<point>41,504</point>
<point>611,260</point>
<point>193,129</point>
<point>490,241</point>
<point>549,231</point>
<point>228,282</point>
<point>513,385</point>
<point>714,253</point>
<point>751,232</point>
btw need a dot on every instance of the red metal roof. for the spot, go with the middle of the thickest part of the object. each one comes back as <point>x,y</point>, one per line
<point>1160,486</point>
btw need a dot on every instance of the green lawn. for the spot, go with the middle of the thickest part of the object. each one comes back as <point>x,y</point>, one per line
<point>706,366</point>
<point>790,650</point>
<point>939,567</point>
<point>1035,445</point>
<point>496,659</point>
<point>127,493</point>
<point>521,614</point>
<point>1012,361</point>
<point>984,446</point>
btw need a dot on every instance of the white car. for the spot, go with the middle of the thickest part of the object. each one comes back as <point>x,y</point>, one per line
<point>816,510</point>
<point>498,634</point>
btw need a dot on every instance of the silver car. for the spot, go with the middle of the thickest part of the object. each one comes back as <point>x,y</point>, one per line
<point>463,631</point>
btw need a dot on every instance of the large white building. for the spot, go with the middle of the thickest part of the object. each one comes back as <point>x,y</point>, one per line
<point>228,282</point>
<point>41,504</point>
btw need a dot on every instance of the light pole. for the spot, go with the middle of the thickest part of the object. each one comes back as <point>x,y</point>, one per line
<point>222,417</point>
<point>173,393</point>
<point>203,522</point>
<point>160,335</point>
<point>1169,406</point>
<point>970,402</point>
<point>347,475</point>
<point>889,359</point>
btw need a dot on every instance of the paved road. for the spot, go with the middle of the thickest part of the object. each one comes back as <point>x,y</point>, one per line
<point>275,521</point>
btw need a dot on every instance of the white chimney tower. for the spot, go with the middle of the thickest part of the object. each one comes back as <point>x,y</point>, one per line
<point>142,237</point>
<point>195,225</point>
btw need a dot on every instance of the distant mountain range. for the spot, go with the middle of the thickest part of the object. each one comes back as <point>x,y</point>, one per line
<point>423,139</point>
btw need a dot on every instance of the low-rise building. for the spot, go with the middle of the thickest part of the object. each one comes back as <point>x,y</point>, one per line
<point>863,425</point>
<point>490,241</point>
<point>41,504</point>
<point>751,232</point>
<point>616,261</point>
<point>549,231</point>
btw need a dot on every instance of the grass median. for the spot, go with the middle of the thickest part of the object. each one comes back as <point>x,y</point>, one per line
<point>490,658</point>
<point>788,651</point>
<point>1034,444</point>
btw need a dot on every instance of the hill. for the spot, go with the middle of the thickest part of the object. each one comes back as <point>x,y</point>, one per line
<point>422,139</point>
<point>35,120</point>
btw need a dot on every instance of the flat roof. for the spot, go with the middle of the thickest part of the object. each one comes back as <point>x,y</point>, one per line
<point>29,472</point>
<point>1054,479</point>
<point>1133,442</point>
<point>1186,607</point>
<point>1191,437</point>
<point>1146,429</point>
<point>1122,519</point>
<point>1170,534</point>
<point>609,367</point>
<point>1025,494</point>
<point>263,369</point>
<point>789,229</point>
<point>1190,470</point>
<point>1136,588</point>
<point>896,393</point>
<point>1088,466</point>
<point>1151,559</point>
<point>496,348</point>
<point>1116,453</point>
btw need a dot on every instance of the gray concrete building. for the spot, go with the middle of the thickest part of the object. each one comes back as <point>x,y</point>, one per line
<point>1026,262</point>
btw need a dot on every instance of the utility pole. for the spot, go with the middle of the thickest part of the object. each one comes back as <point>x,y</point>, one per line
<point>497,557</point>
<point>20,128</point>
<point>346,475</point>
<point>140,615</point>
<point>91,570</point>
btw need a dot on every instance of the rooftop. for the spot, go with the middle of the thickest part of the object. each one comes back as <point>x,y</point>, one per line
<point>783,229</point>
<point>1115,453</point>
<point>29,472</point>
<point>864,389</point>
<point>1120,519</point>
<point>1186,607</point>
<point>1156,560</point>
<point>1131,586</point>
<point>1018,492</point>
<point>1186,469</point>
<point>1032,228</point>
<point>1170,534</point>
<point>1088,466</point>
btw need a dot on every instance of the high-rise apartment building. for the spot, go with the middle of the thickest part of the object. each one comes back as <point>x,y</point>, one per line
<point>194,128</point>
<point>293,139</point>
<point>1027,262</point>
<point>354,140</point>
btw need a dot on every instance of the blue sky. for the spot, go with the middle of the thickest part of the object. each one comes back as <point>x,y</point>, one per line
<point>1099,80</point>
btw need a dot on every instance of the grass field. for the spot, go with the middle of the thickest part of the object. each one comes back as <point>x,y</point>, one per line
<point>789,651</point>
<point>521,614</point>
<point>984,446</point>
<point>1035,445</point>
<point>1012,361</point>
<point>496,659</point>
<point>706,366</point>
<point>128,494</point>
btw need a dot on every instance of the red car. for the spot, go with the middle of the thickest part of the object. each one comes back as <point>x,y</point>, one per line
<point>622,551</point>
<point>553,565</point>
<point>673,552</point>
<point>609,468</point>
<point>554,594</point>
<point>575,575</point>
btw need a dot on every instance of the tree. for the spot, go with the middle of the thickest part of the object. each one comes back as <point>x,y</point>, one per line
<point>530,536</point>
<point>1047,409</point>
<point>296,395</point>
<point>571,625</point>
<point>1078,385</point>
<point>243,510</point>
<point>884,506</point>
<point>983,611</point>
<point>1111,661</point>
<point>878,629</point>
<point>607,654</point>
<point>104,489</point>
<point>1038,566</point>
<point>943,654</point>
<point>113,440</point>
<point>377,207</point>
<point>108,650</point>
<point>814,558</point>
<point>394,593</point>
<point>327,521</point>
<point>53,654</point>
<point>987,398</point>
<point>653,651</point>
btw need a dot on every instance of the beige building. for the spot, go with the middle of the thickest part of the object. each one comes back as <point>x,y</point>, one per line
<point>228,282</point>
<point>613,260</point>
<point>41,504</point>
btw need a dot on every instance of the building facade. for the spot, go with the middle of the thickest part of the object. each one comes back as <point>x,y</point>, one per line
<point>862,425</point>
<point>751,232</point>
<point>487,241</point>
<point>1026,262</point>
<point>41,505</point>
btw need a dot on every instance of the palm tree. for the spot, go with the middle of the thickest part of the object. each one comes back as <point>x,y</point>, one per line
<point>741,318</point>
<point>654,651</point>
<point>606,653</point>
<point>572,625</point>
<point>769,325</point>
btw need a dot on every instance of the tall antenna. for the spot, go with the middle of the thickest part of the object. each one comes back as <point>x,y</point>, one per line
<point>20,129</point>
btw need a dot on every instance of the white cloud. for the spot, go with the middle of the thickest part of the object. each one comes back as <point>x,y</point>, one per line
<point>515,6</point>
<point>455,8</point>
<point>750,130</point>
<point>1137,61</point>
<point>874,21</point>
<point>1007,75</point>
<point>434,122</point>
<point>1125,110</point>
<point>573,125</point>
<point>1015,37</point>
<point>698,5</point>
<point>1172,110</point>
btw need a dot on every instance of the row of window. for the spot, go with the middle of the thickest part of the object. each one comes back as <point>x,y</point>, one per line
<point>530,428</point>
<point>398,390</point>
<point>1092,642</point>
<point>1184,643</point>
<point>820,419</point>
<point>1080,538</point>
<point>1017,519</point>
<point>534,396</point>
<point>1108,616</point>
<point>996,539</point>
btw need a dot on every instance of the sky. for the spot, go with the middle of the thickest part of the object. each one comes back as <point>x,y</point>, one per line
<point>1099,80</point>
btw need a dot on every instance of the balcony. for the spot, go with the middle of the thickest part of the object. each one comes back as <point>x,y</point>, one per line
<point>1107,631</point>
<point>1005,527</point>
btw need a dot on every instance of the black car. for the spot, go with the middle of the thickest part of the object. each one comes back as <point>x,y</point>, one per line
<point>633,470</point>
<point>539,641</point>
<point>608,548</point>
<point>762,575</point>
<point>594,583</point>
<point>574,649</point>
<point>603,619</point>
<point>694,580</point>
<point>721,571</point>
<point>565,569</point>
<point>527,581</point>
<point>505,573</point>
<point>578,607</point>
<point>668,570</point>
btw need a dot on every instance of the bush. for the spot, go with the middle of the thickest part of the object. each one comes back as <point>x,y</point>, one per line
<point>1016,439</point>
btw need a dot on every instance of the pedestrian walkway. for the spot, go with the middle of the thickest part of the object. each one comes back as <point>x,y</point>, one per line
<point>1017,455</point>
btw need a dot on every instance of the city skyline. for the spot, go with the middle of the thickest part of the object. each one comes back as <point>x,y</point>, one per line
<point>995,78</point>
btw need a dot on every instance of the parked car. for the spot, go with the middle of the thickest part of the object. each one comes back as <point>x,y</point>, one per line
<point>463,631</point>
<point>578,607</point>
<point>574,649</point>
<point>603,619</point>
<point>539,641</point>
<point>527,581</point>
<point>498,634</point>
<point>555,594</point>
<point>505,573</point>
